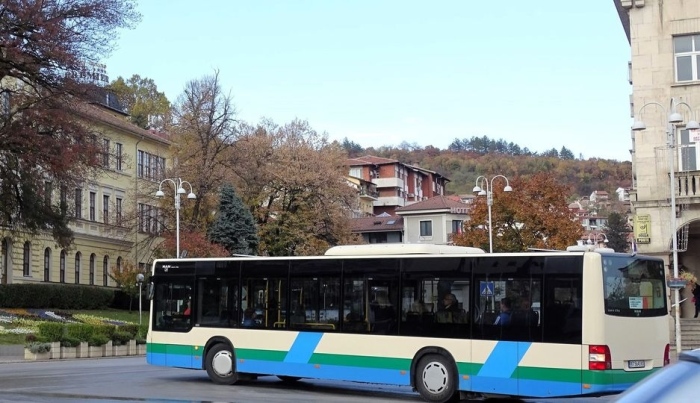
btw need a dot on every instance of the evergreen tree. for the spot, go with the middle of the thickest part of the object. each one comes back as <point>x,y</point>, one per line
<point>617,230</point>
<point>234,227</point>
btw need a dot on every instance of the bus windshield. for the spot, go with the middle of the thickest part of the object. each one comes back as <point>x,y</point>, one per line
<point>634,286</point>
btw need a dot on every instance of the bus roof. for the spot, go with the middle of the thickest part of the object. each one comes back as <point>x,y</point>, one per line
<point>400,249</point>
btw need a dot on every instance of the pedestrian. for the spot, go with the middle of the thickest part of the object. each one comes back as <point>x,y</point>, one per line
<point>696,298</point>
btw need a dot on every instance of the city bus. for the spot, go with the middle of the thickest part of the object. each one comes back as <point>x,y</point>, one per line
<point>441,320</point>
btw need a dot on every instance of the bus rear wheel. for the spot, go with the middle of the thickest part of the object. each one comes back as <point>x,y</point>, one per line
<point>220,365</point>
<point>436,380</point>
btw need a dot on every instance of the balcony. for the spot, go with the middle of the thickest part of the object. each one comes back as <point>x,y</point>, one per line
<point>368,194</point>
<point>688,187</point>
<point>389,182</point>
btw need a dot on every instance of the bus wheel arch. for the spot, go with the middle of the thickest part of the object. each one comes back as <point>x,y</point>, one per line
<point>220,361</point>
<point>434,375</point>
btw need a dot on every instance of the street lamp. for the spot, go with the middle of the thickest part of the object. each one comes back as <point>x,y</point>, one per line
<point>139,281</point>
<point>674,119</point>
<point>595,240</point>
<point>179,190</point>
<point>487,191</point>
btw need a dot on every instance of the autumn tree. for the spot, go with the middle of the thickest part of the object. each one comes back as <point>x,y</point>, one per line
<point>45,47</point>
<point>125,277</point>
<point>616,232</point>
<point>147,107</point>
<point>294,181</point>
<point>204,129</point>
<point>533,215</point>
<point>234,227</point>
<point>195,243</point>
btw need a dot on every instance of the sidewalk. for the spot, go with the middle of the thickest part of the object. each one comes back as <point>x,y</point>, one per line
<point>11,353</point>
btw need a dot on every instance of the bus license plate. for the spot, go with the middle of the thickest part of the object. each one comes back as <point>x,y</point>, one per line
<point>635,363</point>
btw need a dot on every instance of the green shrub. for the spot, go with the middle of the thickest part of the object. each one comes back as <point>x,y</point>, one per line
<point>97,339</point>
<point>51,331</point>
<point>68,341</point>
<point>105,330</point>
<point>80,331</point>
<point>133,330</point>
<point>140,340</point>
<point>120,338</point>
<point>143,332</point>
<point>38,347</point>
<point>55,296</point>
<point>30,338</point>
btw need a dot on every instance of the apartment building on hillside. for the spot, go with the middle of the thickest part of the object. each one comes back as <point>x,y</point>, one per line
<point>397,184</point>
<point>113,214</point>
<point>664,71</point>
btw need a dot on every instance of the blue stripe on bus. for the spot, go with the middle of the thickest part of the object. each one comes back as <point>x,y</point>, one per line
<point>333,372</point>
<point>303,347</point>
<point>531,387</point>
<point>504,359</point>
<point>171,360</point>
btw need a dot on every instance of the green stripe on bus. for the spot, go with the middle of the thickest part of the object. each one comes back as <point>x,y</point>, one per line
<point>257,354</point>
<point>177,349</point>
<point>615,376</point>
<point>548,374</point>
<point>469,368</point>
<point>361,361</point>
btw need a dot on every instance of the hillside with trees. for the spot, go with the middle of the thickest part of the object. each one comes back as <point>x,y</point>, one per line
<point>465,160</point>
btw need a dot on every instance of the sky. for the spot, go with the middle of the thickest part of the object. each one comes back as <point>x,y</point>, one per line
<point>544,74</point>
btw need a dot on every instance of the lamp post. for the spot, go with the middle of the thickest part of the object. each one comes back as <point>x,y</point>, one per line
<point>595,240</point>
<point>179,190</point>
<point>487,191</point>
<point>139,281</point>
<point>674,119</point>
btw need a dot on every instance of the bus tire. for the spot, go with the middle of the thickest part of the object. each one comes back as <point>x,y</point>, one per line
<point>436,379</point>
<point>221,365</point>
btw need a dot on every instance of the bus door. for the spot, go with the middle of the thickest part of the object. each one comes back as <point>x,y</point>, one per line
<point>264,293</point>
<point>173,312</point>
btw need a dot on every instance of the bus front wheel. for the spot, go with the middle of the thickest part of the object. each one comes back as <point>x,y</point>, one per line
<point>220,365</point>
<point>436,379</point>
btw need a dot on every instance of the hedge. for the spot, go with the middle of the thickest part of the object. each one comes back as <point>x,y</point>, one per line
<point>55,296</point>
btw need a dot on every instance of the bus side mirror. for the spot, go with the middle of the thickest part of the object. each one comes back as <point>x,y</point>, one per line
<point>151,289</point>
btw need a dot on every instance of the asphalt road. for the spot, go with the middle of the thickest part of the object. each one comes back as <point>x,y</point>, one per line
<point>130,379</point>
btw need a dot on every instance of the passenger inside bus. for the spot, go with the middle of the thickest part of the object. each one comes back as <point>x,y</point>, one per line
<point>503,318</point>
<point>382,313</point>
<point>525,315</point>
<point>249,317</point>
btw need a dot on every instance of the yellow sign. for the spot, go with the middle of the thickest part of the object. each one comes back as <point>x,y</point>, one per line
<point>642,228</point>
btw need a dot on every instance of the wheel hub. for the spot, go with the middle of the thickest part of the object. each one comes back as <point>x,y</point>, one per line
<point>222,363</point>
<point>435,377</point>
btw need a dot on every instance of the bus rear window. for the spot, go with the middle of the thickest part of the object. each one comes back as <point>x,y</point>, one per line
<point>634,286</point>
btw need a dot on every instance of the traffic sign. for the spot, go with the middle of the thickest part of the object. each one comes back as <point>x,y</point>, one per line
<point>486,288</point>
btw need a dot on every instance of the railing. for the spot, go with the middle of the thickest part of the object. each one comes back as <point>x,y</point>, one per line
<point>687,184</point>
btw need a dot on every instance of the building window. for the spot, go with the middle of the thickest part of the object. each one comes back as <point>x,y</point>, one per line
<point>119,211</point>
<point>119,158</point>
<point>25,259</point>
<point>77,268</point>
<point>139,169</point>
<point>105,209</point>
<point>78,203</point>
<point>63,197</point>
<point>105,153</point>
<point>92,269</point>
<point>105,270</point>
<point>92,206</point>
<point>426,228</point>
<point>457,226</point>
<point>47,264</point>
<point>689,152</point>
<point>48,190</point>
<point>687,54</point>
<point>62,267</point>
<point>119,264</point>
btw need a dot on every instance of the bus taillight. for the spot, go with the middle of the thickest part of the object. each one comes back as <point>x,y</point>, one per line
<point>667,355</point>
<point>599,358</point>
